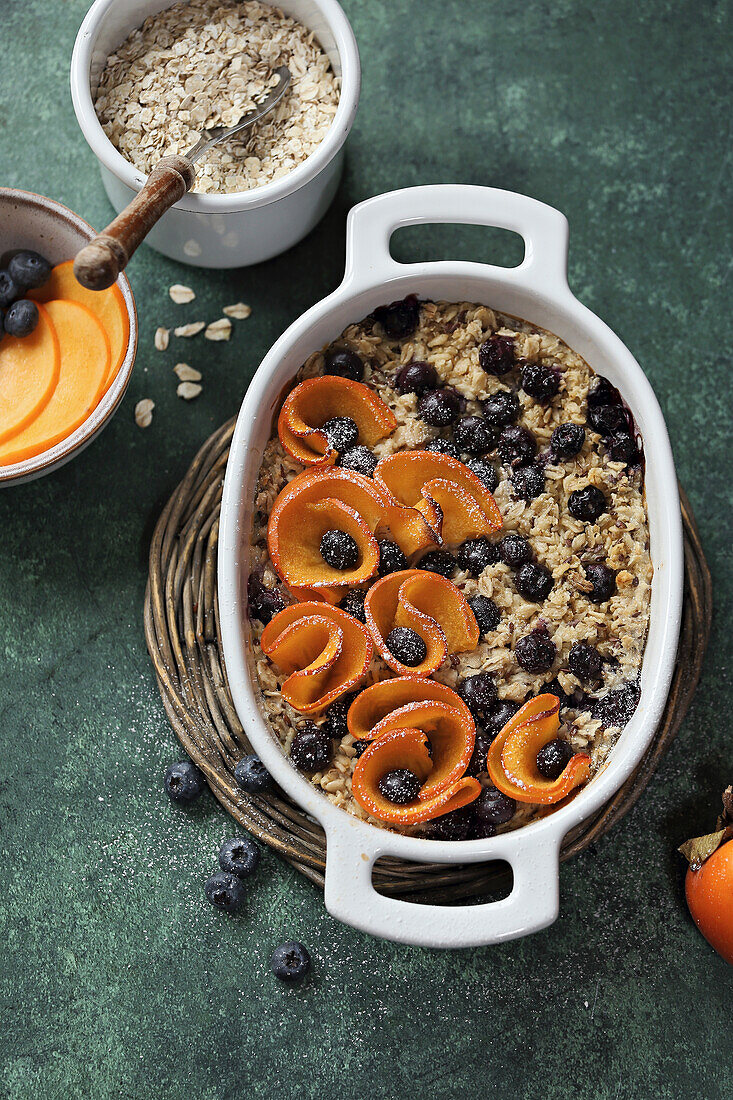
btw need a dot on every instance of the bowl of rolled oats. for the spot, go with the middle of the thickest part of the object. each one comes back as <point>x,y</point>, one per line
<point>147,76</point>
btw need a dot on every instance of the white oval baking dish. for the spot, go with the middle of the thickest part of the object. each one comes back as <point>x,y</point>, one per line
<point>234,230</point>
<point>537,291</point>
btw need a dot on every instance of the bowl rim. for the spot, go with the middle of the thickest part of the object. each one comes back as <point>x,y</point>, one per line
<point>120,167</point>
<point>100,416</point>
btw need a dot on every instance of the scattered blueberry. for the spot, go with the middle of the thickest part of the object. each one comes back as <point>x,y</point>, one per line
<point>360,747</point>
<point>485,472</point>
<point>440,562</point>
<point>311,749</point>
<point>453,826</point>
<point>442,447</point>
<point>341,432</point>
<point>290,962</point>
<point>399,319</point>
<point>252,775</point>
<point>264,603</point>
<point>500,715</point>
<point>391,558</point>
<point>336,724</point>
<point>617,707</point>
<point>29,270</point>
<point>587,504</point>
<point>534,582</point>
<point>345,363</point>
<point>496,355</point>
<point>183,781</point>
<point>9,291</point>
<point>225,891</point>
<point>622,448</point>
<point>239,856</point>
<point>540,381</point>
<point>476,554</point>
<point>528,482</point>
<point>406,646</point>
<point>481,746</point>
<point>439,408</point>
<point>603,580</point>
<point>486,612</point>
<point>585,662</point>
<point>517,445</point>
<point>608,419</point>
<point>514,550</point>
<point>21,318</point>
<point>339,550</point>
<point>567,440</point>
<point>359,459</point>
<point>494,808</point>
<point>353,603</point>
<point>553,758</point>
<point>400,786</point>
<point>479,694</point>
<point>501,408</point>
<point>603,393</point>
<point>416,377</point>
<point>473,436</point>
<point>535,652</point>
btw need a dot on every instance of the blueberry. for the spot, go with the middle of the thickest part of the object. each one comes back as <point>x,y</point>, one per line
<point>567,440</point>
<point>476,554</point>
<point>360,460</point>
<point>502,712</point>
<point>290,962</point>
<point>339,550</point>
<point>534,582</point>
<point>239,856</point>
<point>617,707</point>
<point>311,750</point>
<point>587,504</point>
<point>622,448</point>
<point>252,775</point>
<point>439,408</point>
<point>528,482</point>
<point>517,445</point>
<point>264,603</point>
<point>9,291</point>
<point>553,758</point>
<point>603,580</point>
<point>336,724</point>
<point>406,646</point>
<point>472,435</point>
<point>353,603</point>
<point>225,891</point>
<point>399,319</point>
<point>514,550</point>
<point>501,408</point>
<point>496,355</point>
<point>2,324</point>
<point>540,381</point>
<point>608,419</point>
<point>440,562</point>
<point>400,786</point>
<point>603,393</point>
<point>481,746</point>
<point>486,612</point>
<point>585,662</point>
<point>494,808</point>
<point>443,447</point>
<point>183,781</point>
<point>21,318</point>
<point>479,694</point>
<point>29,270</point>
<point>554,687</point>
<point>416,377</point>
<point>457,825</point>
<point>341,432</point>
<point>485,472</point>
<point>360,747</point>
<point>345,363</point>
<point>535,652</point>
<point>391,558</point>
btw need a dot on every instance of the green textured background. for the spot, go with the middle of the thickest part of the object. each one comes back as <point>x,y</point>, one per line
<point>116,978</point>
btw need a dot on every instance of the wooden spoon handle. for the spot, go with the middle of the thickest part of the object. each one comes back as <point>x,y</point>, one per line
<point>99,263</point>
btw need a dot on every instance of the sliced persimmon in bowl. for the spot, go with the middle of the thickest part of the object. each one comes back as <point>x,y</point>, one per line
<point>386,696</point>
<point>29,373</point>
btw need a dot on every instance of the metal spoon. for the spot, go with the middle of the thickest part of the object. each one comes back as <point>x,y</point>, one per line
<point>99,263</point>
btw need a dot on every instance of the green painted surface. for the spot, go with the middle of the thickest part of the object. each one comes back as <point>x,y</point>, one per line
<point>116,978</point>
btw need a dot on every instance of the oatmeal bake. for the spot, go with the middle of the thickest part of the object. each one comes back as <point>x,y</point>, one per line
<point>450,571</point>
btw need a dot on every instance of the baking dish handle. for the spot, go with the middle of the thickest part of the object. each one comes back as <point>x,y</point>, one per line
<point>532,904</point>
<point>371,224</point>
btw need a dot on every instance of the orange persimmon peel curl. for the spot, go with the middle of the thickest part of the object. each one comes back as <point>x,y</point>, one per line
<point>512,757</point>
<point>428,604</point>
<point>406,748</point>
<point>451,735</point>
<point>386,696</point>
<point>324,651</point>
<point>312,402</point>
<point>455,503</point>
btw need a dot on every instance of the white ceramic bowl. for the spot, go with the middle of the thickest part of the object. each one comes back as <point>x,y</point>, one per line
<point>33,221</point>
<point>537,291</point>
<point>223,230</point>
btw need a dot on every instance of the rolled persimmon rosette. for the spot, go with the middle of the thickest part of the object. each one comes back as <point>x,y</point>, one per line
<point>314,402</point>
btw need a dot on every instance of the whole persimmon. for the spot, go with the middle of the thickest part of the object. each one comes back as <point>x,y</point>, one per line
<point>709,881</point>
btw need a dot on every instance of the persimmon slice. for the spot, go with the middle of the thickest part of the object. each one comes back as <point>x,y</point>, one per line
<point>29,373</point>
<point>108,306</point>
<point>428,604</point>
<point>405,748</point>
<point>451,736</point>
<point>294,544</point>
<point>379,700</point>
<point>84,363</point>
<point>324,651</point>
<point>312,402</point>
<point>512,756</point>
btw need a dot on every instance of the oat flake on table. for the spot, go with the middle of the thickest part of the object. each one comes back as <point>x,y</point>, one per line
<point>162,337</point>
<point>239,311</point>
<point>185,373</point>
<point>207,63</point>
<point>192,329</point>
<point>219,330</point>
<point>144,412</point>
<point>188,390</point>
<point>181,294</point>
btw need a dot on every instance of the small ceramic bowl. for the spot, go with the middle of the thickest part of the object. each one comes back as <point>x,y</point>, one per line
<point>246,227</point>
<point>48,227</point>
